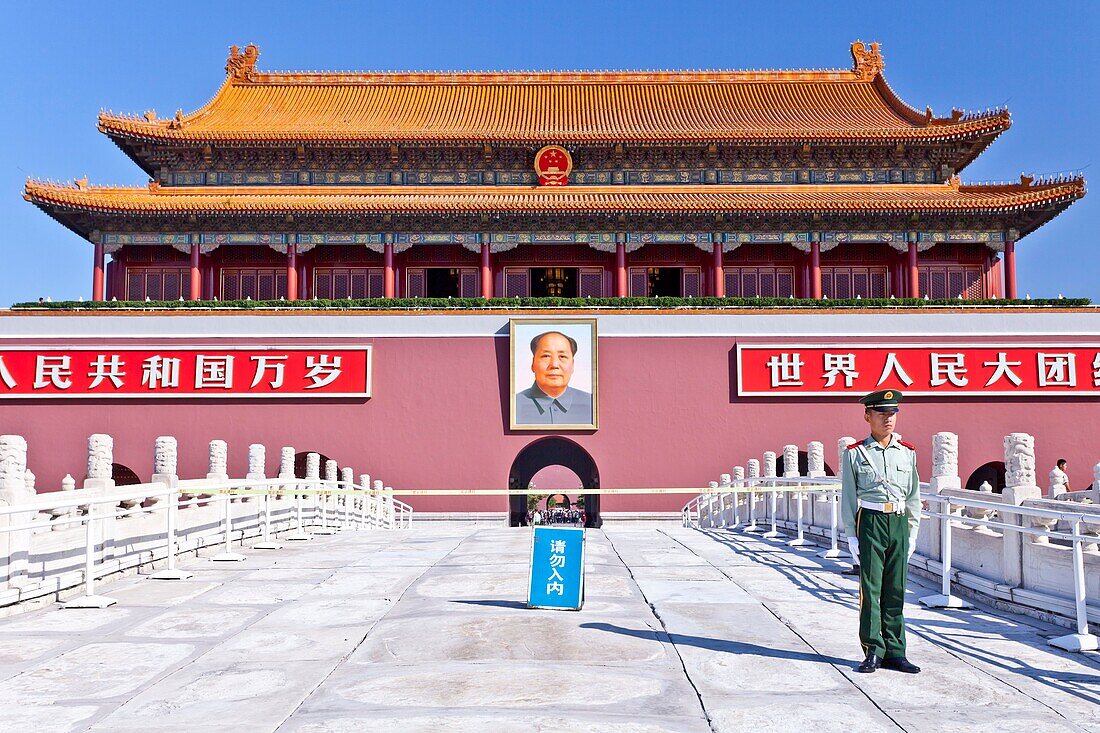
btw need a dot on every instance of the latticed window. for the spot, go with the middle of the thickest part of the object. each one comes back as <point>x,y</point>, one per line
<point>590,282</point>
<point>848,282</point>
<point>768,282</point>
<point>157,283</point>
<point>666,281</point>
<point>257,283</point>
<point>441,282</point>
<point>344,282</point>
<point>951,281</point>
<point>517,282</point>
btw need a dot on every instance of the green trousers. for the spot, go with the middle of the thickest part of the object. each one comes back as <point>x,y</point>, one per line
<point>883,566</point>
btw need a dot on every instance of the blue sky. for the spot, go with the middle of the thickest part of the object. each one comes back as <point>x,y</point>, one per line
<point>63,62</point>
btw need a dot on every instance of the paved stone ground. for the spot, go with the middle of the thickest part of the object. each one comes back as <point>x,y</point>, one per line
<point>425,630</point>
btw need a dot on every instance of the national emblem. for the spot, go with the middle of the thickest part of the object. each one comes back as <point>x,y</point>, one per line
<point>553,165</point>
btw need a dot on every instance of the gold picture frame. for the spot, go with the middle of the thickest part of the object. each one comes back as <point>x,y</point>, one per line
<point>548,385</point>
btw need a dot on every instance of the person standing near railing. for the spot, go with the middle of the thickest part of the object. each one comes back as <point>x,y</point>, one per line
<point>1059,481</point>
<point>880,496</point>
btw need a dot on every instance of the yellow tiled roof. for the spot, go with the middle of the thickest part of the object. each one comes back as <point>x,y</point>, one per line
<point>558,107</point>
<point>457,200</point>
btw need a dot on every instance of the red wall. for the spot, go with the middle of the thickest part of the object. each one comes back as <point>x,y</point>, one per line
<point>668,417</point>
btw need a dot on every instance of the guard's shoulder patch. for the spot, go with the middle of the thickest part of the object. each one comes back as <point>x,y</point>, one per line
<point>853,446</point>
<point>910,446</point>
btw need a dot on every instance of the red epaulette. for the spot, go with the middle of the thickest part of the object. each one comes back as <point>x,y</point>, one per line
<point>853,446</point>
<point>910,446</point>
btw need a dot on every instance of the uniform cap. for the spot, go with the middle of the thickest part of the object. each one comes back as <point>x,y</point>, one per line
<point>884,400</point>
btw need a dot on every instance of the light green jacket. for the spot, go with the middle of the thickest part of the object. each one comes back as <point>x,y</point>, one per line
<point>897,464</point>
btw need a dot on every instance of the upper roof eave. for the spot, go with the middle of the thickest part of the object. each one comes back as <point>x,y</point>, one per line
<point>617,116</point>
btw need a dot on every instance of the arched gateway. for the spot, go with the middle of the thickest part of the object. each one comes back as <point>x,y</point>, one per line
<point>553,451</point>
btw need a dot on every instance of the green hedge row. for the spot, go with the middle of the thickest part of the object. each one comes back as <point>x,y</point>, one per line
<point>535,303</point>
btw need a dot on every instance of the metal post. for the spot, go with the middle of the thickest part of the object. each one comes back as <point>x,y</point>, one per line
<point>266,543</point>
<point>944,599</point>
<point>90,599</point>
<point>299,534</point>
<point>774,531</point>
<point>752,513</point>
<point>322,505</point>
<point>833,552</point>
<point>228,555</point>
<point>170,572</point>
<point>800,539</point>
<point>1082,641</point>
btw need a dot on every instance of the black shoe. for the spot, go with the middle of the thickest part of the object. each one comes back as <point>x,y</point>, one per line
<point>900,664</point>
<point>870,664</point>
<point>854,570</point>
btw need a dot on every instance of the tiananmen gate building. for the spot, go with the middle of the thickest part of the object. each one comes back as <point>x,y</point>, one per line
<point>332,185</point>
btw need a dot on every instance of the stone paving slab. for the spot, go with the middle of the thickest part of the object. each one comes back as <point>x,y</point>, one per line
<point>427,630</point>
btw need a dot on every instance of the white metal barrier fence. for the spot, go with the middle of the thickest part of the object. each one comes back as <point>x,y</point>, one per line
<point>1050,549</point>
<point>153,531</point>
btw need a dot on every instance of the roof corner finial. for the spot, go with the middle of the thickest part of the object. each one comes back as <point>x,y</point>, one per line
<point>1026,180</point>
<point>867,62</point>
<point>241,64</point>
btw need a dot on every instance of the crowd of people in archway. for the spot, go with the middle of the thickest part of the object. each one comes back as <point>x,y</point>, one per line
<point>556,515</point>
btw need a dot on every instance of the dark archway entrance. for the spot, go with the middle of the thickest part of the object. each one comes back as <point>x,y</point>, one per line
<point>993,472</point>
<point>553,451</point>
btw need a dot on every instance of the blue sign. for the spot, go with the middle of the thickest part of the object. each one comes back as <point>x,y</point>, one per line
<point>557,569</point>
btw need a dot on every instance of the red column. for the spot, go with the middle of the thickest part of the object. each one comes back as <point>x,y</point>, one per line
<point>387,278</point>
<point>719,272</point>
<point>486,271</point>
<point>97,273</point>
<point>815,268</point>
<point>292,272</point>
<point>913,271</point>
<point>1010,269</point>
<point>621,288</point>
<point>303,282</point>
<point>196,273</point>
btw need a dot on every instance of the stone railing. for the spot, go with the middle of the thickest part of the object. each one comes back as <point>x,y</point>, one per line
<point>53,542</point>
<point>1014,547</point>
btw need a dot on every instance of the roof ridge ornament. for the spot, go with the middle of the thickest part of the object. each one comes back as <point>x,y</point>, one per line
<point>242,64</point>
<point>868,61</point>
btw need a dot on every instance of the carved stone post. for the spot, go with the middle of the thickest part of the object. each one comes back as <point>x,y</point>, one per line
<point>815,460</point>
<point>753,470</point>
<point>1020,485</point>
<point>100,464</point>
<point>790,470</point>
<point>1096,484</point>
<point>769,464</point>
<point>725,481</point>
<point>770,472</point>
<point>331,470</point>
<point>165,454</point>
<point>257,462</point>
<point>790,461</point>
<point>257,466</point>
<point>945,462</point>
<point>14,546</point>
<point>842,453</point>
<point>346,500</point>
<point>366,512</point>
<point>286,468</point>
<point>219,459</point>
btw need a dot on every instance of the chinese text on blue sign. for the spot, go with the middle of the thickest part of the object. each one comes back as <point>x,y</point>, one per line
<point>557,569</point>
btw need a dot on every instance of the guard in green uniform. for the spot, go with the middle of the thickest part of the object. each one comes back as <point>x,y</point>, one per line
<point>881,505</point>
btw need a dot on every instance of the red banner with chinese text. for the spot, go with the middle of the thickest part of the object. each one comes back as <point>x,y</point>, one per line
<point>202,372</point>
<point>815,370</point>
